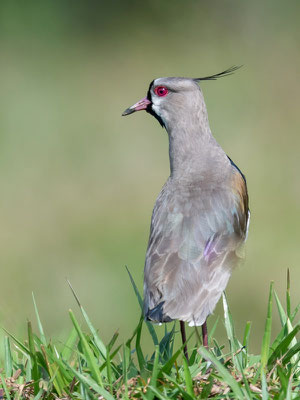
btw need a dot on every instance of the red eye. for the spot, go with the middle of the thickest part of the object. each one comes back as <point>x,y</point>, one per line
<point>161,91</point>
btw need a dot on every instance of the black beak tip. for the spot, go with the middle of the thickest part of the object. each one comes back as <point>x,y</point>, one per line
<point>128,111</point>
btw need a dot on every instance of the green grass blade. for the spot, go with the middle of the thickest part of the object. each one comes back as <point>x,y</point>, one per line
<point>112,341</point>
<point>235,346</point>
<point>140,300</point>
<point>83,389</point>
<point>229,325</point>
<point>288,395</point>
<point>281,335</point>
<point>28,366</point>
<point>152,332</point>
<point>91,360</point>
<point>294,350</point>
<point>293,341</point>
<point>290,329</point>
<point>138,348</point>
<point>8,357</point>
<point>281,312</point>
<point>40,326</point>
<point>109,370</point>
<point>212,330</point>
<point>225,374</point>
<point>188,378</point>
<point>247,334</point>
<point>125,370</point>
<point>136,291</point>
<point>153,380</point>
<point>100,345</point>
<point>246,344</point>
<point>20,344</point>
<point>166,344</point>
<point>111,357</point>
<point>218,350</point>
<point>35,370</point>
<point>264,387</point>
<point>68,348</point>
<point>267,332</point>
<point>295,312</point>
<point>127,354</point>
<point>283,346</point>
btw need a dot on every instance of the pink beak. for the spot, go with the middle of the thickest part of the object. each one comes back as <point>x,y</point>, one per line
<point>140,105</point>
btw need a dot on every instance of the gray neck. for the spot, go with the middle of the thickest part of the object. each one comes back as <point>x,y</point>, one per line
<point>193,150</point>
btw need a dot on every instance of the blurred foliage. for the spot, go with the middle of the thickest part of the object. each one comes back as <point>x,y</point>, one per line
<point>79,182</point>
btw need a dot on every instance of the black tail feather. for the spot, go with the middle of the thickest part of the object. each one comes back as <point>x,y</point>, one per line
<point>156,314</point>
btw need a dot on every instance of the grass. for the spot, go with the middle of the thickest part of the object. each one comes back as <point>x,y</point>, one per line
<point>84,367</point>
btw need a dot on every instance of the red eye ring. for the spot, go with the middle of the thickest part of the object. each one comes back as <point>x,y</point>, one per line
<point>161,91</point>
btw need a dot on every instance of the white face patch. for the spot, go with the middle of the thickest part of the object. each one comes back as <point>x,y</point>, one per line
<point>156,102</point>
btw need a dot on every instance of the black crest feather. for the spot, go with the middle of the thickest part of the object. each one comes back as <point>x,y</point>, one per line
<point>227,72</point>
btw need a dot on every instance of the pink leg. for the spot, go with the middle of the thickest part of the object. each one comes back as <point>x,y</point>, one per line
<point>183,336</point>
<point>204,335</point>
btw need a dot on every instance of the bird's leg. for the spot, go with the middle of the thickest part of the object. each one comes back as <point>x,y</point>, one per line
<point>204,335</point>
<point>183,336</point>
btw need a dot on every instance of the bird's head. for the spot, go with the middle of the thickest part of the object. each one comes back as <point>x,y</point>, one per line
<point>168,98</point>
<point>172,99</point>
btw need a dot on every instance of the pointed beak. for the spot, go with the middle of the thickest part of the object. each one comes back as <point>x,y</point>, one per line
<point>140,105</point>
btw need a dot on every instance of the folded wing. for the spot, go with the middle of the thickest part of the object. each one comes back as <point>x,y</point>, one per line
<point>195,241</point>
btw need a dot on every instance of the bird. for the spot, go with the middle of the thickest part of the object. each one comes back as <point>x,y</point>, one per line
<point>201,217</point>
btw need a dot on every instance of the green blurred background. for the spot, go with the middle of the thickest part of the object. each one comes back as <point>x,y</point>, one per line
<point>78,182</point>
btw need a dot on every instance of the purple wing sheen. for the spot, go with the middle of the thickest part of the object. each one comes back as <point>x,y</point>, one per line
<point>210,250</point>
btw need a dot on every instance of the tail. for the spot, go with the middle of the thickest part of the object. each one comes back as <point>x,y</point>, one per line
<point>156,314</point>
